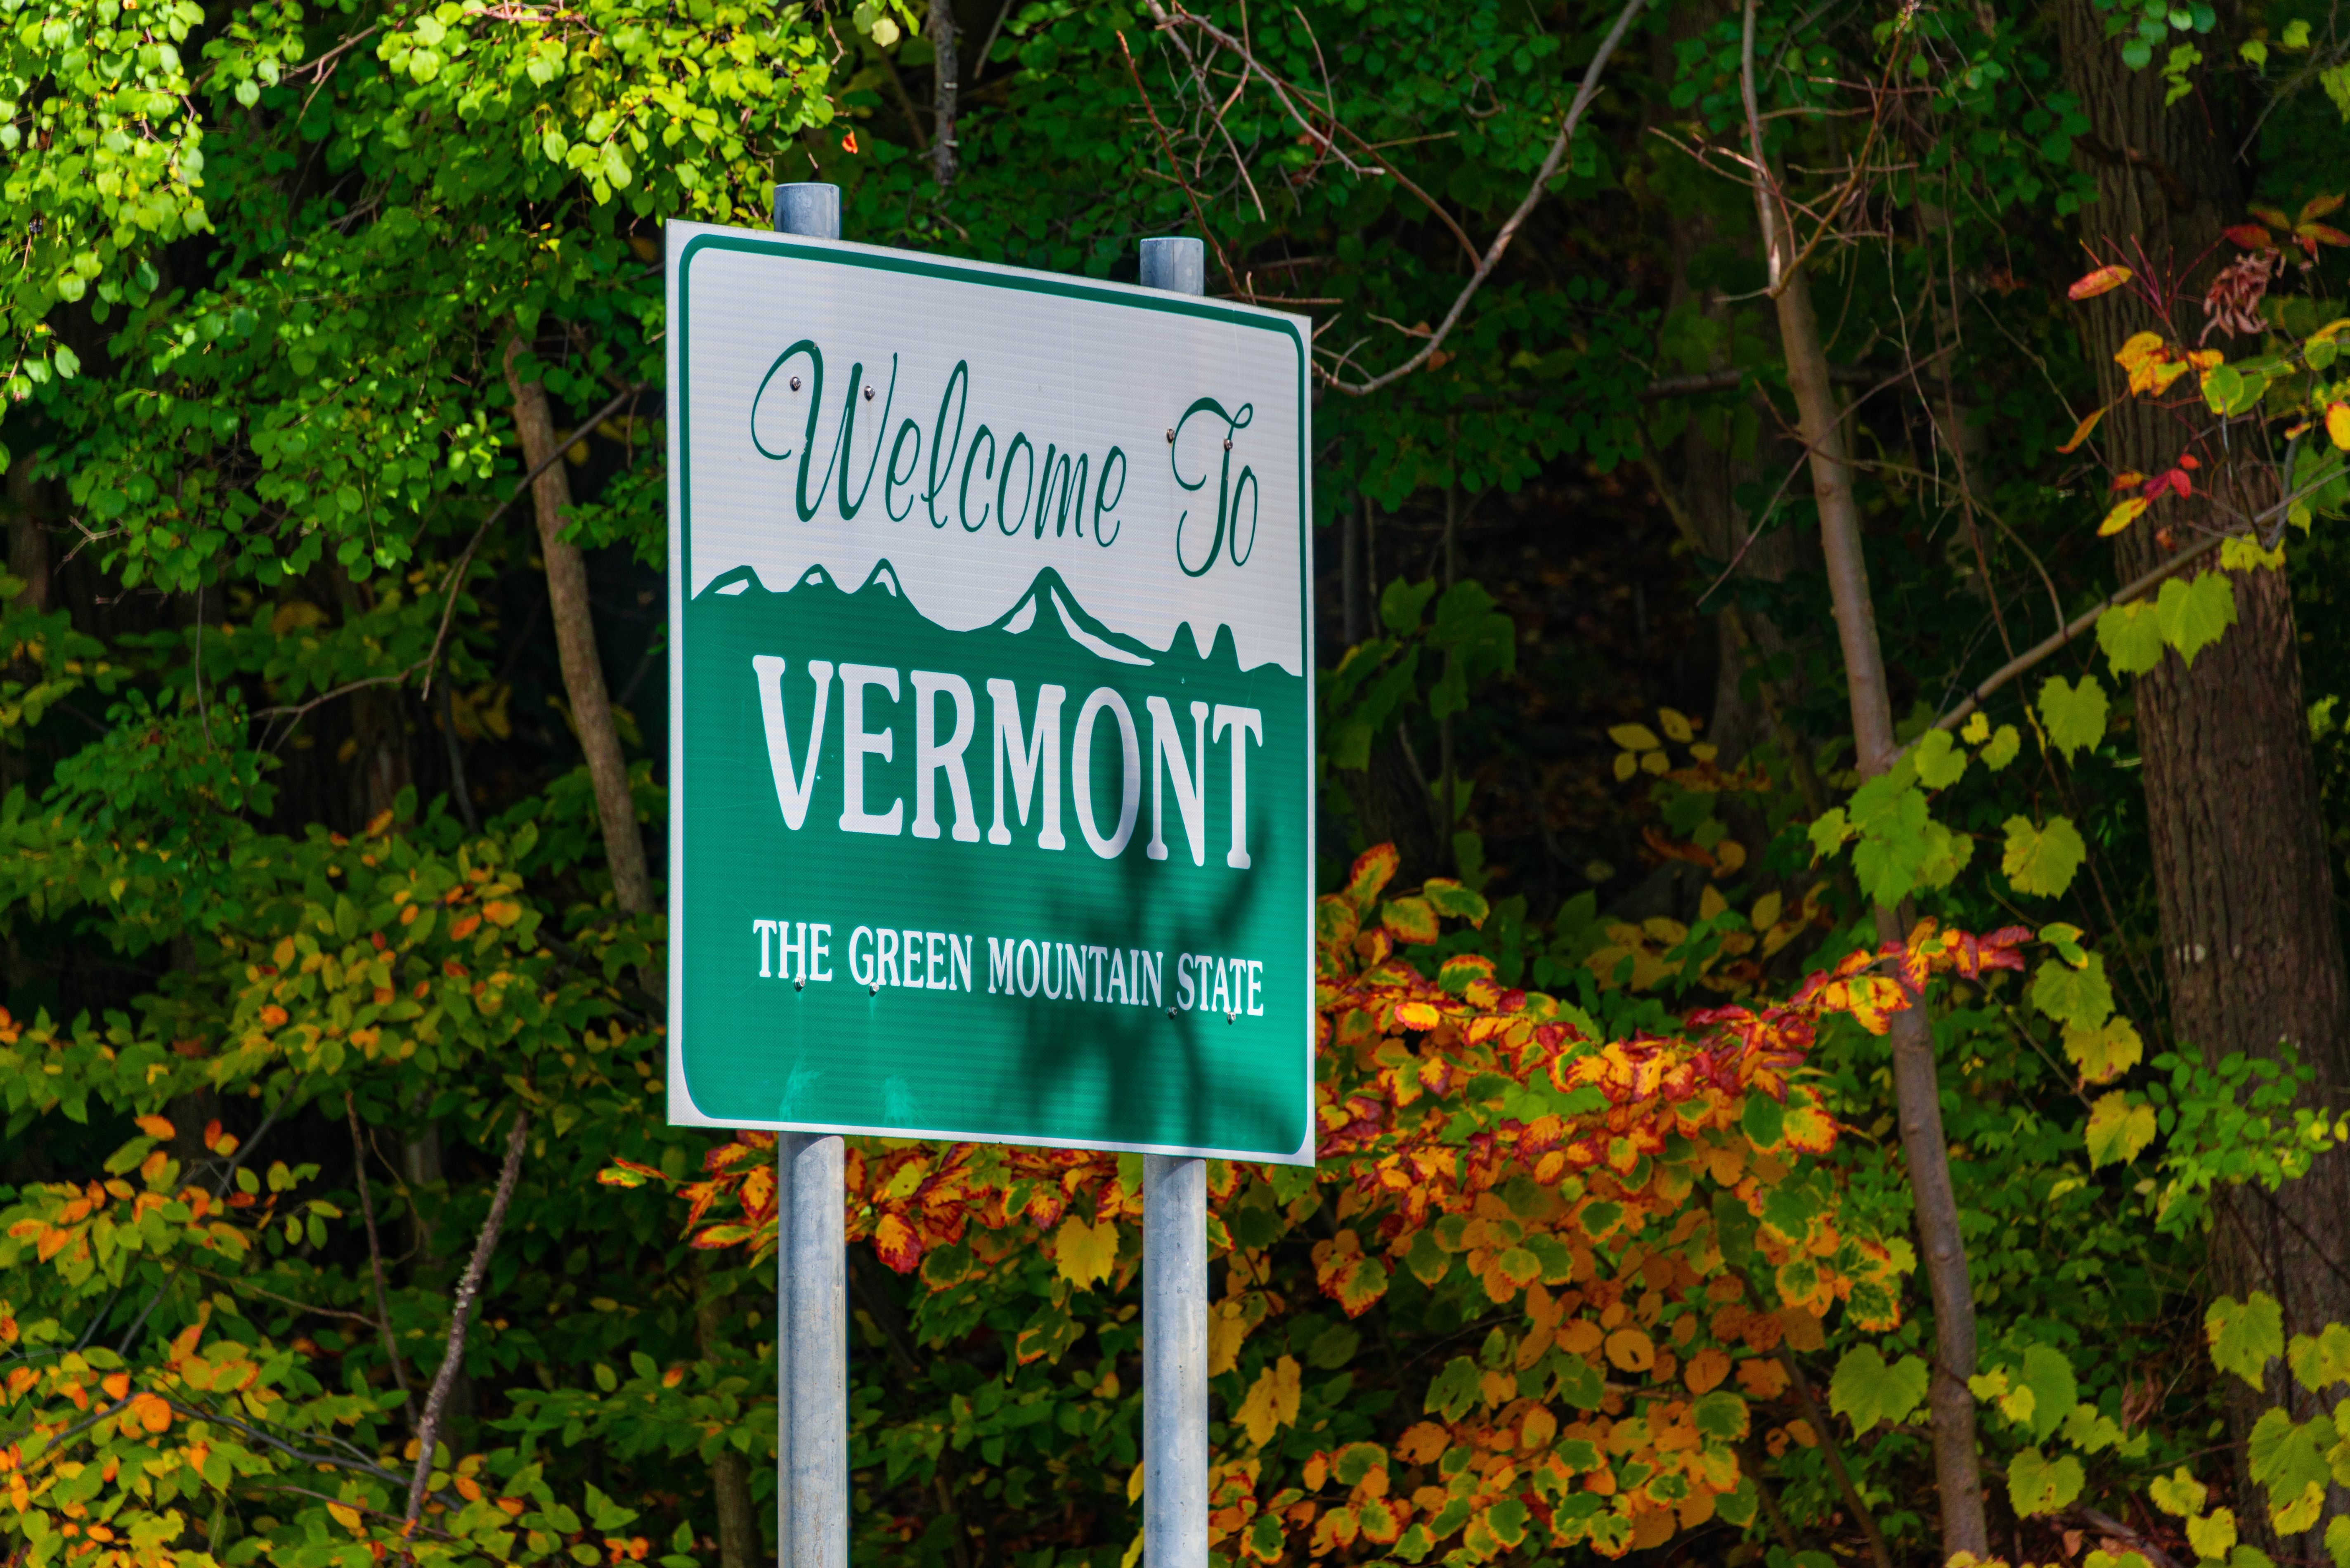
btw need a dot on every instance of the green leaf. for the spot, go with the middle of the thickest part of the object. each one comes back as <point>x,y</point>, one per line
<point>2131,636</point>
<point>2337,1540</point>
<point>2321,1361</point>
<point>2193,615</point>
<point>2070,995</point>
<point>1828,833</point>
<point>2075,715</point>
<point>2055,1393</point>
<point>2037,1484</point>
<point>1940,763</point>
<point>1401,604</point>
<point>2245,1335</point>
<point>1866,1390</point>
<point>1720,1415</point>
<point>2288,1457</point>
<point>2042,860</point>
<point>2118,1130</point>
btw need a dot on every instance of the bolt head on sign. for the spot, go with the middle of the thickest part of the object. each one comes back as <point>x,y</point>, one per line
<point>990,758</point>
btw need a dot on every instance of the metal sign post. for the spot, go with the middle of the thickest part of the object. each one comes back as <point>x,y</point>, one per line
<point>1174,1240</point>
<point>811,1251</point>
<point>990,758</point>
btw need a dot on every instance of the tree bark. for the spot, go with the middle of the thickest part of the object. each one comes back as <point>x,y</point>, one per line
<point>2251,953</point>
<point>1916,1090</point>
<point>575,640</point>
<point>946,79</point>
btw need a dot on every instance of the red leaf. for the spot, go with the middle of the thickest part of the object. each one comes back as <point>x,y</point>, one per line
<point>2104,280</point>
<point>2251,236</point>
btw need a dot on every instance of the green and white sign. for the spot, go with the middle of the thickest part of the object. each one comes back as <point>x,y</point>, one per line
<point>992,755</point>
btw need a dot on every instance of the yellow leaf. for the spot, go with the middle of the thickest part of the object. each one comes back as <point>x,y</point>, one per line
<point>502,911</point>
<point>1271,1402</point>
<point>1653,763</point>
<point>1766,911</point>
<point>1676,725</point>
<point>1627,764</point>
<point>348,1517</point>
<point>2337,424</point>
<point>1084,1252</point>
<point>2123,514</point>
<point>2212,1535</point>
<point>1227,1326</point>
<point>2141,348</point>
<point>1635,737</point>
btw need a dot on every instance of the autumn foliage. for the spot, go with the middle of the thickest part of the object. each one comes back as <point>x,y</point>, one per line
<point>1644,1222</point>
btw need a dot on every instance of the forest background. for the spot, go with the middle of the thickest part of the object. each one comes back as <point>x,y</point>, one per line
<point>1833,997</point>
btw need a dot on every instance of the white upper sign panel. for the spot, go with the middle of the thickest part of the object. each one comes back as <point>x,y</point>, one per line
<point>971,425</point>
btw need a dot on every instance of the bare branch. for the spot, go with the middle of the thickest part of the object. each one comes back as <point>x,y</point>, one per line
<point>469,1288</point>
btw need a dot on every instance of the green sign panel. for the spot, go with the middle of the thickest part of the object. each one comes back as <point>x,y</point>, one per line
<point>992,760</point>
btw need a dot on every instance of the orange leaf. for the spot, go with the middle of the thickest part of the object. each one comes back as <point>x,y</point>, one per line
<point>157,1128</point>
<point>1706,1370</point>
<point>2251,236</point>
<point>2081,431</point>
<point>2104,280</point>
<point>1631,1350</point>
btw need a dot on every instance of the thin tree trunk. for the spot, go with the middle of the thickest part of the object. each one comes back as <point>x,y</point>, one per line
<point>946,78</point>
<point>730,1472</point>
<point>469,1291</point>
<point>1917,1092</point>
<point>574,641</point>
<point>2251,951</point>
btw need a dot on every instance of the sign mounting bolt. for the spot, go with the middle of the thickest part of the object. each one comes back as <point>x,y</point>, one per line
<point>868,394</point>
<point>796,383</point>
<point>1171,435</point>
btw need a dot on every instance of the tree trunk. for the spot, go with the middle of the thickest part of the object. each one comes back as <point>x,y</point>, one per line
<point>574,641</point>
<point>1917,1092</point>
<point>730,1472</point>
<point>946,82</point>
<point>2250,950</point>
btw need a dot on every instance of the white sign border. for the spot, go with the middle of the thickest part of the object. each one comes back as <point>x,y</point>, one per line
<point>681,241</point>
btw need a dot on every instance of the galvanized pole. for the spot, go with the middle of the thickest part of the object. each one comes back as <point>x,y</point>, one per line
<point>1174,1240</point>
<point>811,1247</point>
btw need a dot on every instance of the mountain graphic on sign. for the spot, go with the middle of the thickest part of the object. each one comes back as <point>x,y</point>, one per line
<point>1047,618</point>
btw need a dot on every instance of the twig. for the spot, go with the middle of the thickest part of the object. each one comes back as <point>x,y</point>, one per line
<point>375,1259</point>
<point>1819,1425</point>
<point>427,1432</point>
<point>1508,232</point>
<point>1198,217</point>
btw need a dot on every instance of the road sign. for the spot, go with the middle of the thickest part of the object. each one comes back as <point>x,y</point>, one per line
<point>991,747</point>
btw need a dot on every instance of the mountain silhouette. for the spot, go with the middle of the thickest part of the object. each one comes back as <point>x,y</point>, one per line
<point>1048,612</point>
